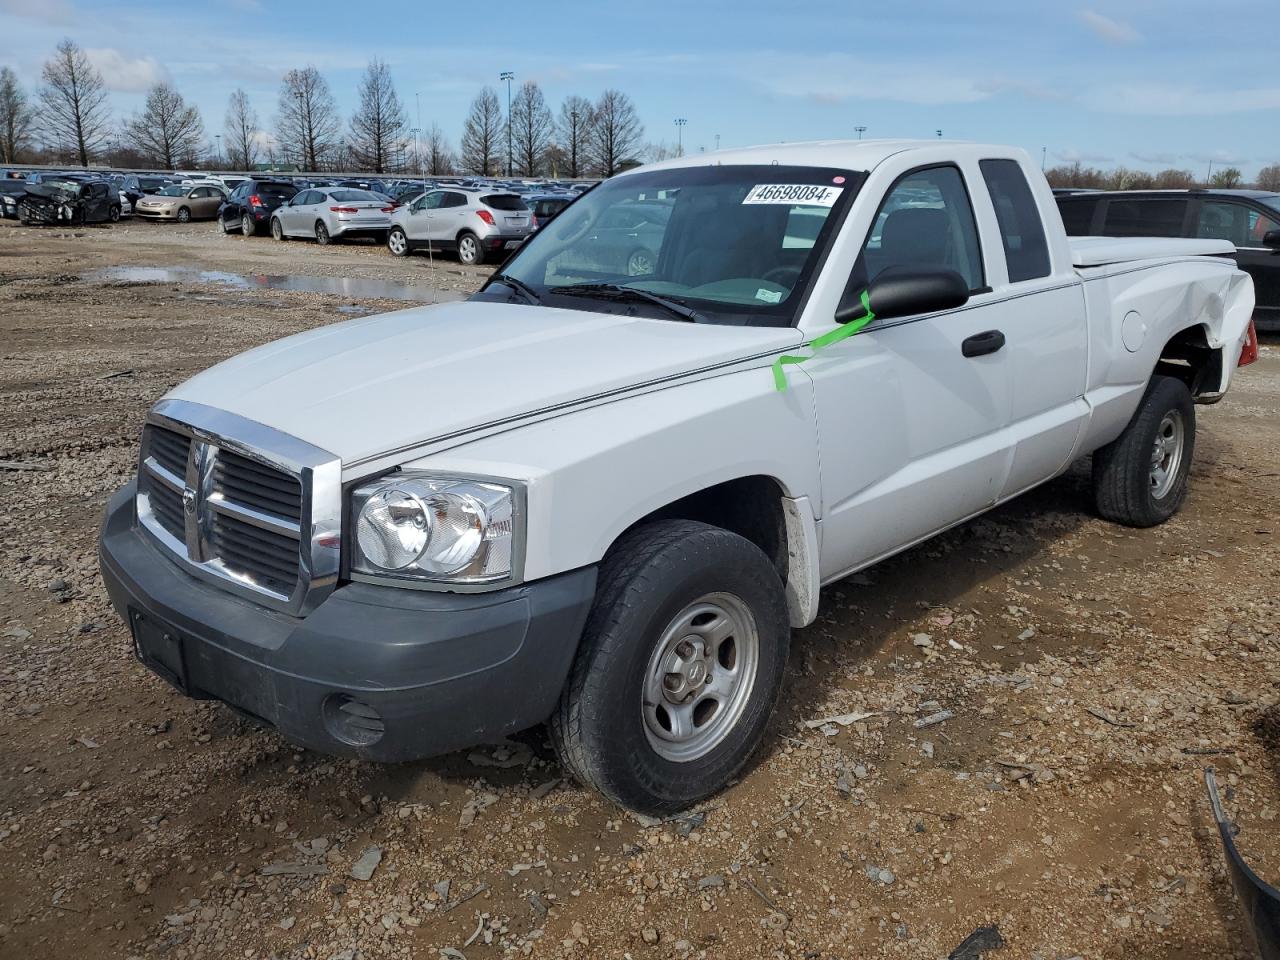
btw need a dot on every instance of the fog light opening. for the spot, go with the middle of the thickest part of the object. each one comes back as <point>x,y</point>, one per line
<point>352,721</point>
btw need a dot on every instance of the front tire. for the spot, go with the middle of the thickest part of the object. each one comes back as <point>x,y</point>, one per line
<point>113,214</point>
<point>397,242</point>
<point>184,215</point>
<point>277,229</point>
<point>679,669</point>
<point>470,252</point>
<point>1140,478</point>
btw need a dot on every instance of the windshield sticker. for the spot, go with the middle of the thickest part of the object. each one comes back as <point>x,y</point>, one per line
<point>806,194</point>
<point>769,296</point>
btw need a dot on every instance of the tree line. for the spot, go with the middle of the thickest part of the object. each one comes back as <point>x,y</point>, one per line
<point>69,120</point>
<point>1121,178</point>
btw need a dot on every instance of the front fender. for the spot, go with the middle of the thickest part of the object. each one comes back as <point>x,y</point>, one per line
<point>593,473</point>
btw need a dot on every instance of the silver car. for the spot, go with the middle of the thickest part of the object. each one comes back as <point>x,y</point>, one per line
<point>475,224</point>
<point>327,213</point>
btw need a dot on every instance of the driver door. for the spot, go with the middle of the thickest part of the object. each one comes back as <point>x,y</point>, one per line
<point>912,431</point>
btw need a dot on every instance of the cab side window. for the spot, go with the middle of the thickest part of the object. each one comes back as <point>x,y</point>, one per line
<point>926,222</point>
<point>1026,252</point>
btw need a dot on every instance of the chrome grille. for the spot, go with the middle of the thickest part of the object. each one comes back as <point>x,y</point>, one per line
<point>249,517</point>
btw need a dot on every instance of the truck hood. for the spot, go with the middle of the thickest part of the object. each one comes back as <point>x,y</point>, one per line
<point>367,387</point>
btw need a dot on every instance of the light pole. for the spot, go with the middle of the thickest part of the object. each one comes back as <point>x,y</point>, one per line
<point>508,76</point>
<point>1044,156</point>
<point>860,130</point>
<point>217,160</point>
<point>573,145</point>
<point>680,122</point>
<point>717,141</point>
<point>939,133</point>
<point>1209,176</point>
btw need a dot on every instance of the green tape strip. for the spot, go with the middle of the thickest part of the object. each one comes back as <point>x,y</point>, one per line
<point>842,332</point>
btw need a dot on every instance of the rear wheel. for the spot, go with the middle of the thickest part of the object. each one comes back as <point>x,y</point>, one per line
<point>1140,478</point>
<point>469,250</point>
<point>679,668</point>
<point>277,229</point>
<point>397,242</point>
<point>184,215</point>
<point>322,233</point>
<point>247,227</point>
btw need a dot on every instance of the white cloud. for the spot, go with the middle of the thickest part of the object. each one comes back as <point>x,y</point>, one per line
<point>1112,31</point>
<point>56,12</point>
<point>1170,100</point>
<point>837,77</point>
<point>127,74</point>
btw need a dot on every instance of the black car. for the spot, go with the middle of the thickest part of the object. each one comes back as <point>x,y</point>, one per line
<point>10,190</point>
<point>545,206</point>
<point>1248,218</point>
<point>249,207</point>
<point>68,199</point>
<point>135,186</point>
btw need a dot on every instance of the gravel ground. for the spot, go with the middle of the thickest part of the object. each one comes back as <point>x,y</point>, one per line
<point>1092,672</point>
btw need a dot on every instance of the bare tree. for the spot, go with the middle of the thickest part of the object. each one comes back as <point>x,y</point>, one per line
<point>1227,179</point>
<point>168,130</point>
<point>75,113</point>
<point>1269,178</point>
<point>378,125</point>
<point>615,132</point>
<point>15,117</point>
<point>242,132</point>
<point>1174,179</point>
<point>436,155</point>
<point>531,128</point>
<point>307,117</point>
<point>654,152</point>
<point>573,131</point>
<point>481,134</point>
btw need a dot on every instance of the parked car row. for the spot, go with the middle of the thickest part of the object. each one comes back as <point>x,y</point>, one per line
<point>1249,219</point>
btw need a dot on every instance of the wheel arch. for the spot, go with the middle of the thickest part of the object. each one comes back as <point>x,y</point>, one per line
<point>1189,356</point>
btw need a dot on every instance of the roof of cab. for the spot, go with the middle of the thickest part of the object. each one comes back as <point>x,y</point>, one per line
<point>843,154</point>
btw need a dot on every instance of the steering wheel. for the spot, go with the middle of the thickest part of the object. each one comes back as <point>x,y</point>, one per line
<point>783,271</point>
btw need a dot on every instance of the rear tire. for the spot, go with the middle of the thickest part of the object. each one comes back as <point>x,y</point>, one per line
<point>247,227</point>
<point>322,233</point>
<point>1140,478</point>
<point>470,252</point>
<point>679,667</point>
<point>397,242</point>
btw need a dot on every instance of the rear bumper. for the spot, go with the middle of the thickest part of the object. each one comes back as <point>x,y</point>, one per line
<point>366,228</point>
<point>382,673</point>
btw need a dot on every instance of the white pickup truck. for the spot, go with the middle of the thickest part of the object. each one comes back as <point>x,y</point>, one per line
<point>603,491</point>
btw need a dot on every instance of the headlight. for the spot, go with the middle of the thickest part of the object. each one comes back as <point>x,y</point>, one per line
<point>418,527</point>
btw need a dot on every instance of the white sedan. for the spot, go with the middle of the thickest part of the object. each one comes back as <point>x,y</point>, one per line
<point>332,212</point>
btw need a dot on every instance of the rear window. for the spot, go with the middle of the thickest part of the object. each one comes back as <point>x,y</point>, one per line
<point>1077,215</point>
<point>351,196</point>
<point>11,186</point>
<point>1025,249</point>
<point>1146,217</point>
<point>504,201</point>
<point>276,189</point>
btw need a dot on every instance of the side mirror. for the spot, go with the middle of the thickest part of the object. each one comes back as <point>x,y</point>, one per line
<point>907,291</point>
<point>1272,239</point>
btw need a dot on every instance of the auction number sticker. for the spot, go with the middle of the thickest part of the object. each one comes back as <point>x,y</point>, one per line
<point>806,194</point>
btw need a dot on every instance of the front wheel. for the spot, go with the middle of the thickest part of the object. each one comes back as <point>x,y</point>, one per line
<point>277,229</point>
<point>679,668</point>
<point>184,215</point>
<point>322,233</point>
<point>1140,478</point>
<point>113,214</point>
<point>397,242</point>
<point>469,250</point>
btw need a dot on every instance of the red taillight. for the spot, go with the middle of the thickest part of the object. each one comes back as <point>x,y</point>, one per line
<point>486,216</point>
<point>389,209</point>
<point>255,201</point>
<point>1249,352</point>
<point>344,209</point>
<point>533,222</point>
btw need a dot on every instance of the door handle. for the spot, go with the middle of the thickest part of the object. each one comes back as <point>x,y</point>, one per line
<point>989,341</point>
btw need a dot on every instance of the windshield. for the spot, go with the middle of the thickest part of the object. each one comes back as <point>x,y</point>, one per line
<point>739,244</point>
<point>174,191</point>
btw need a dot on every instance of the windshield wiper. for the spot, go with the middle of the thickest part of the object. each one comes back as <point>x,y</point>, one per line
<point>614,291</point>
<point>519,286</point>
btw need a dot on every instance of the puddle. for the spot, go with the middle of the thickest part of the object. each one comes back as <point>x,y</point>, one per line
<point>356,288</point>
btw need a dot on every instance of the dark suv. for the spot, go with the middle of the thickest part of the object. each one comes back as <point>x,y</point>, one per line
<point>1248,218</point>
<point>249,207</point>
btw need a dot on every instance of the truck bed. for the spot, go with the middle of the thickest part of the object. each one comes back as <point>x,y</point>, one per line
<point>1101,251</point>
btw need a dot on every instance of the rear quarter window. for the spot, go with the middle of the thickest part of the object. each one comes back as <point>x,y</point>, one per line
<point>1025,250</point>
<point>1145,217</point>
<point>504,201</point>
<point>1077,215</point>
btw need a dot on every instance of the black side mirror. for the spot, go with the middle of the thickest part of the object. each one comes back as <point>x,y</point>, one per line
<point>907,291</point>
<point>1272,239</point>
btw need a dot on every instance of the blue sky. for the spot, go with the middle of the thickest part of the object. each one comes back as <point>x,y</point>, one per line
<point>1139,83</point>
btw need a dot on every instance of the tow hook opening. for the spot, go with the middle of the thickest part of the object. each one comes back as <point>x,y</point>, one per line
<point>352,721</point>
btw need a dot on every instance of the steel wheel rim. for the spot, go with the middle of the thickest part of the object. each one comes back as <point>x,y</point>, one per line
<point>639,265</point>
<point>700,677</point>
<point>1166,453</point>
<point>396,242</point>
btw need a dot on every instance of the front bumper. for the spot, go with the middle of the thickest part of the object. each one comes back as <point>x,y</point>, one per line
<point>383,673</point>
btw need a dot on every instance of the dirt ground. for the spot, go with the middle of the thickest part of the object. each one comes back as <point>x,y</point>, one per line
<point>1093,672</point>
